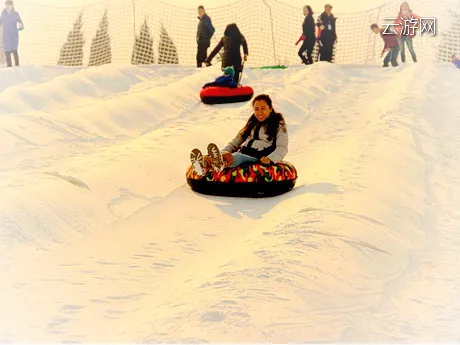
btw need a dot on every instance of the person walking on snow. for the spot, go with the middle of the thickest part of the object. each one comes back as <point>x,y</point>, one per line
<point>263,139</point>
<point>204,34</point>
<point>10,20</point>
<point>231,42</point>
<point>406,24</point>
<point>391,45</point>
<point>326,33</point>
<point>308,36</point>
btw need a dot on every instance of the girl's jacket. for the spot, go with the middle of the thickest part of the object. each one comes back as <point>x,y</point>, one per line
<point>259,145</point>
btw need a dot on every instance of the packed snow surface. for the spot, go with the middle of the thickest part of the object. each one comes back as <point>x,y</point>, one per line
<point>102,240</point>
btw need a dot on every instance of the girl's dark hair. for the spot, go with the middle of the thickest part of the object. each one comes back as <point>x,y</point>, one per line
<point>310,11</point>
<point>233,32</point>
<point>273,123</point>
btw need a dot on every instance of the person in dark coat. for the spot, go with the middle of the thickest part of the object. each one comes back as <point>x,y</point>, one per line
<point>231,42</point>
<point>203,36</point>
<point>391,45</point>
<point>326,33</point>
<point>308,36</point>
<point>10,19</point>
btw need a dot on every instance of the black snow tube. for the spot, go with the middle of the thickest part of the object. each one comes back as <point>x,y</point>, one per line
<point>249,180</point>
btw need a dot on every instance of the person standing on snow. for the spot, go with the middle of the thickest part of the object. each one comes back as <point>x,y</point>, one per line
<point>231,42</point>
<point>326,33</point>
<point>455,60</point>
<point>10,19</point>
<point>203,36</point>
<point>308,36</point>
<point>391,45</point>
<point>406,32</point>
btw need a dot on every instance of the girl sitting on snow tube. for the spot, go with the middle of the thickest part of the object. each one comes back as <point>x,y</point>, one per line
<point>251,164</point>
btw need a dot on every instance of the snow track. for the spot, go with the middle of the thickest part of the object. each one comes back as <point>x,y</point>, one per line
<point>101,239</point>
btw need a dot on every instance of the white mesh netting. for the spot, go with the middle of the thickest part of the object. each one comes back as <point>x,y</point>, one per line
<point>152,31</point>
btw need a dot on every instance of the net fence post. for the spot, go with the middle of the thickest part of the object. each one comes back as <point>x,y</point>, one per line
<point>134,19</point>
<point>272,30</point>
<point>375,36</point>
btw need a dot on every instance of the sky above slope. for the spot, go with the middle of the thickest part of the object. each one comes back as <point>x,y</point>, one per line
<point>341,6</point>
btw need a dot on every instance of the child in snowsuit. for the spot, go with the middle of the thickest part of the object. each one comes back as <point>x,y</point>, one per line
<point>263,139</point>
<point>455,61</point>
<point>225,80</point>
<point>391,45</point>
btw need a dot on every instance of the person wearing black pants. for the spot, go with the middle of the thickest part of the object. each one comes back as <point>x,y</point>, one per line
<point>202,53</point>
<point>203,37</point>
<point>232,42</point>
<point>308,36</point>
<point>8,58</point>
<point>327,36</point>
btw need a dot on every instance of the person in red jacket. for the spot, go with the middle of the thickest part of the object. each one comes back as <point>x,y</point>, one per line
<point>407,24</point>
<point>391,45</point>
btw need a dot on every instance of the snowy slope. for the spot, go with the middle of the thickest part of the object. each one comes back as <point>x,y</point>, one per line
<point>102,240</point>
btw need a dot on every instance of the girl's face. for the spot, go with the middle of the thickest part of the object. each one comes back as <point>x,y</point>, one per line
<point>262,110</point>
<point>404,7</point>
<point>305,11</point>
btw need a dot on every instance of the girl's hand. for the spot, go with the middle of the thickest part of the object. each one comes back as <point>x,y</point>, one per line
<point>265,160</point>
<point>245,57</point>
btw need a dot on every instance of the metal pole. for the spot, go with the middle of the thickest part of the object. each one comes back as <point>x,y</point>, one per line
<point>273,31</point>
<point>134,19</point>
